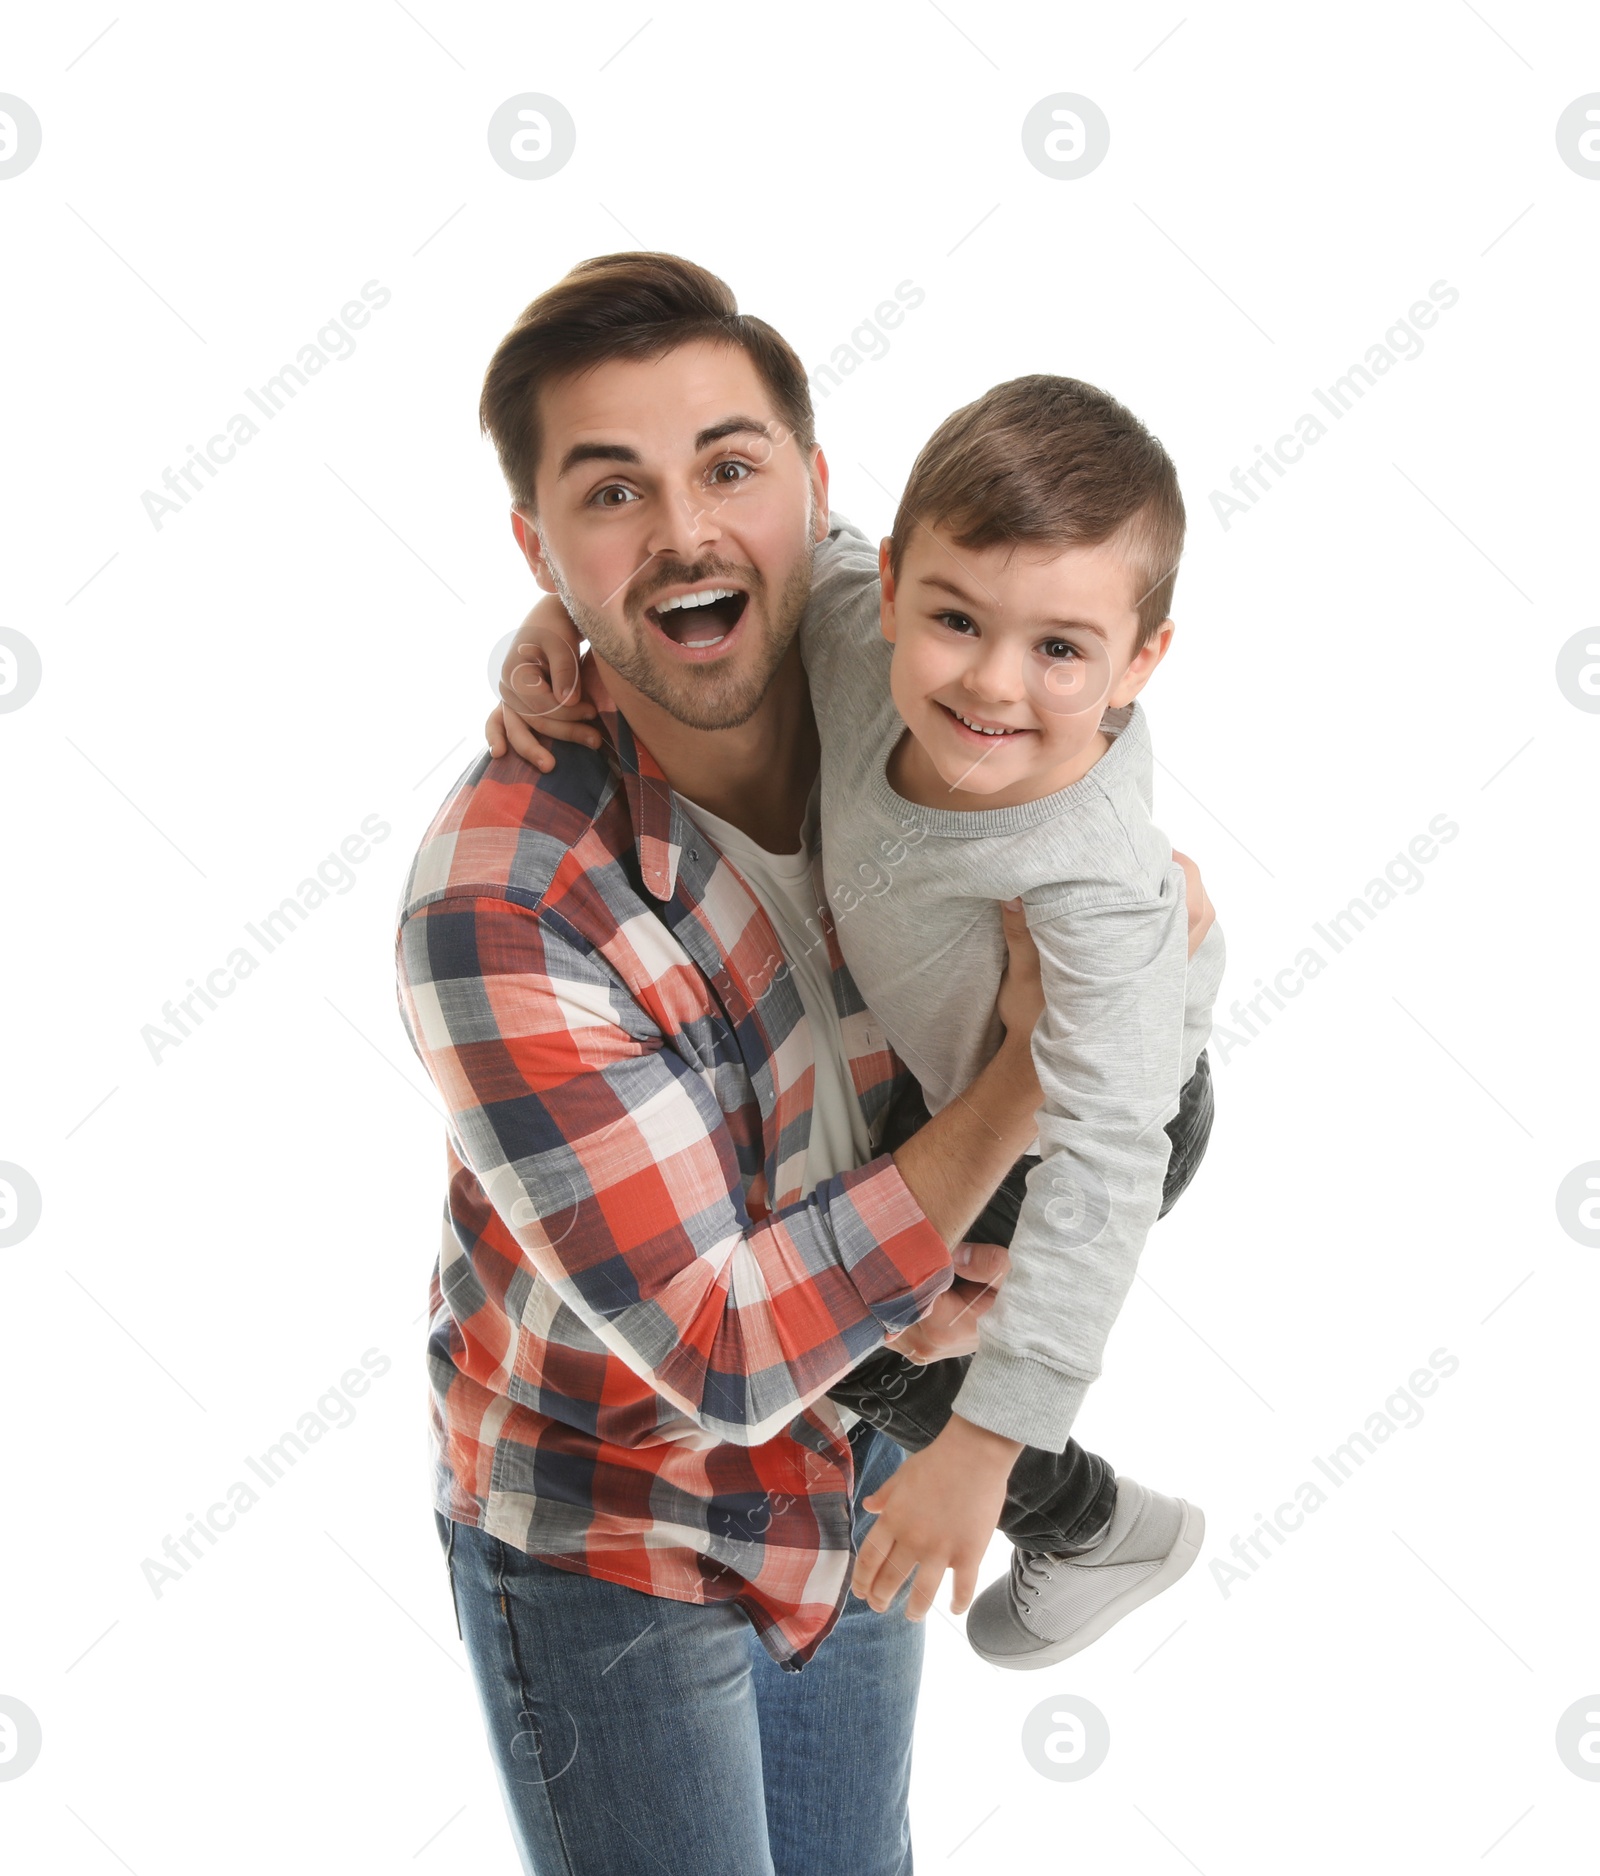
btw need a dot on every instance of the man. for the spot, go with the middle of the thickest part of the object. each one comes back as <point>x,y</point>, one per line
<point>670,1226</point>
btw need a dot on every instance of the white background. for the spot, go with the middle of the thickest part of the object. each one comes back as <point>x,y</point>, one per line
<point>226,697</point>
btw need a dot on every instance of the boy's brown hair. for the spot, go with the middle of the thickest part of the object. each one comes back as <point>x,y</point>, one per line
<point>1051,462</point>
<point>623,306</point>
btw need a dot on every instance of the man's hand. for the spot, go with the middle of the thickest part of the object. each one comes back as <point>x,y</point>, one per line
<point>1020,1003</point>
<point>950,1327</point>
<point>1202,913</point>
<point>936,1513</point>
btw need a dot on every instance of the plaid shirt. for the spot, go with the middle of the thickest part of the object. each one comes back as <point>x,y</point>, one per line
<point>637,1304</point>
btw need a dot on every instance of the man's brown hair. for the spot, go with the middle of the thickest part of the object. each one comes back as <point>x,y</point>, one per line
<point>623,306</point>
<point>1051,462</point>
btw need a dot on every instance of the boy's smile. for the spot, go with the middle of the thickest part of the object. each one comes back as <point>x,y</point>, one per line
<point>1005,660</point>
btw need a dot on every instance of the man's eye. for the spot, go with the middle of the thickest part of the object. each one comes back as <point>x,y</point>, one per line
<point>957,621</point>
<point>1059,648</point>
<point>601,498</point>
<point>742,471</point>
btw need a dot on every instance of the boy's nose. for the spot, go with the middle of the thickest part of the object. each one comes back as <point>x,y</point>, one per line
<point>996,679</point>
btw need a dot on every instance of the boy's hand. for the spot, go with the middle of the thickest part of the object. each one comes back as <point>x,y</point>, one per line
<point>937,1513</point>
<point>541,685</point>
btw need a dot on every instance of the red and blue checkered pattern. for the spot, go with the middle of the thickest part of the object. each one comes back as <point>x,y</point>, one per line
<point>637,1305</point>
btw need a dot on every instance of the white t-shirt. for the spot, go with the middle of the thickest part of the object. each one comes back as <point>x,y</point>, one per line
<point>791,898</point>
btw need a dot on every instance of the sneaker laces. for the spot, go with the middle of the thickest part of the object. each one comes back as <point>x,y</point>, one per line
<point>1032,1569</point>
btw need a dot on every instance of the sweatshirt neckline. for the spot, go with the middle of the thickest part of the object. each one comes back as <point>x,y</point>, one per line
<point>1128,730</point>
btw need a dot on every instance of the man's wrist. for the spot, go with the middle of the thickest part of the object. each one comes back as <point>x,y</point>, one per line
<point>1019,1095</point>
<point>953,1164</point>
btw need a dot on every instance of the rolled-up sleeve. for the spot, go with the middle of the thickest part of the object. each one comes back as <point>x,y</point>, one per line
<point>615,1181</point>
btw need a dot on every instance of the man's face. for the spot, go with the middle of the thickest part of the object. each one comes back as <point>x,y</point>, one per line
<point>1006,658</point>
<point>671,479</point>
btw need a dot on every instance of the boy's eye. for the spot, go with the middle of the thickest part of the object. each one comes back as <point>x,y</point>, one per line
<point>957,621</point>
<point>601,497</point>
<point>1059,648</point>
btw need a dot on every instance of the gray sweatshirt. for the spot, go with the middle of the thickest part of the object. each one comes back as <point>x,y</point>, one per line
<point>915,893</point>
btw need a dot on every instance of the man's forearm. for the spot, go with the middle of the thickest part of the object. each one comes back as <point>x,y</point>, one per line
<point>953,1164</point>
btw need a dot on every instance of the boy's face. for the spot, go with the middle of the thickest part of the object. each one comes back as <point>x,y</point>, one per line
<point>1005,659</point>
<point>672,477</point>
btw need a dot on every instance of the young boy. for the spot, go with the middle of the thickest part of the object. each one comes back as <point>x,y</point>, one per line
<point>981,742</point>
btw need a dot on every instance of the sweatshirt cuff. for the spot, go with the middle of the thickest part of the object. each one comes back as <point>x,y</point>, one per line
<point>1021,1398</point>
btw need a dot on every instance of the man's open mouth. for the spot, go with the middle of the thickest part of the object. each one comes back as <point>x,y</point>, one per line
<point>699,620</point>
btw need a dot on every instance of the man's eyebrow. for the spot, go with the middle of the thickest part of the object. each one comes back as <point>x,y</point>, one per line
<point>624,453</point>
<point>729,426</point>
<point>949,586</point>
<point>596,452</point>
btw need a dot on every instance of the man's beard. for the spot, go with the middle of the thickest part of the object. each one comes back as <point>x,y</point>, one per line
<point>719,695</point>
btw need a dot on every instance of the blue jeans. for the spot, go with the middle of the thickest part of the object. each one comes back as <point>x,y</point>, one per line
<point>633,1735</point>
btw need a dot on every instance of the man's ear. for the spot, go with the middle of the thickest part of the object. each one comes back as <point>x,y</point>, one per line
<point>819,493</point>
<point>886,623</point>
<point>532,544</point>
<point>1141,666</point>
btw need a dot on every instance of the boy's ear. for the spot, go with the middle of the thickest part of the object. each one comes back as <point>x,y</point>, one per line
<point>532,545</point>
<point>886,583</point>
<point>1141,666</point>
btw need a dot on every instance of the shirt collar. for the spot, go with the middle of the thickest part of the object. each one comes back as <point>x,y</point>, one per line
<point>649,794</point>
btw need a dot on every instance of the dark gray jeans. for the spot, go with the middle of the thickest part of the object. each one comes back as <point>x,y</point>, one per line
<point>1054,1501</point>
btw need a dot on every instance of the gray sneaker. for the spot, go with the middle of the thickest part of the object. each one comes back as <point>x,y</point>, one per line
<point>1051,1606</point>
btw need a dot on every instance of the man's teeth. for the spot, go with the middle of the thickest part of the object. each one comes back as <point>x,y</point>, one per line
<point>979,727</point>
<point>696,599</point>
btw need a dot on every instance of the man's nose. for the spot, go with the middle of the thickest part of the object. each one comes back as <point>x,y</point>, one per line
<point>684,525</point>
